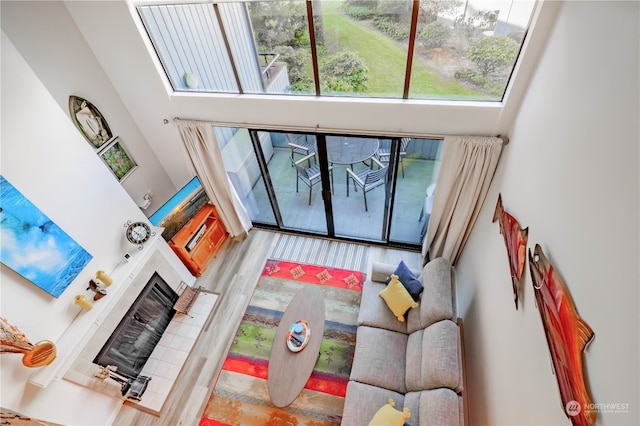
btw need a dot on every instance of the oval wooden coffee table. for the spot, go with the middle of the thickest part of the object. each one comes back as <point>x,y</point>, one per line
<point>289,371</point>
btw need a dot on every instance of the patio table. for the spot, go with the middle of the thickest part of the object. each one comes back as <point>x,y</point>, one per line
<point>350,150</point>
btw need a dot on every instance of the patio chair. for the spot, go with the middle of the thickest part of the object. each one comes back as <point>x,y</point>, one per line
<point>310,175</point>
<point>384,154</point>
<point>303,145</point>
<point>367,179</point>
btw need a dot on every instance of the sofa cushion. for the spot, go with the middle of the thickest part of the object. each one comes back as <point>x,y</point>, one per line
<point>408,280</point>
<point>435,407</point>
<point>381,271</point>
<point>362,401</point>
<point>374,312</point>
<point>413,365</point>
<point>387,415</point>
<point>436,302</point>
<point>398,298</point>
<point>439,362</point>
<point>380,358</point>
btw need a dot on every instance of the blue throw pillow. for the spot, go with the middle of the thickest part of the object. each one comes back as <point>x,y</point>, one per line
<point>408,280</point>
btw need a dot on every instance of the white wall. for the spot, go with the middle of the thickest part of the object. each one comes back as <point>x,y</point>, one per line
<point>45,157</point>
<point>570,174</point>
<point>49,40</point>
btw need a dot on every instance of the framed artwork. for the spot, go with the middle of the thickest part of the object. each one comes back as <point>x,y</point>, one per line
<point>34,246</point>
<point>89,121</point>
<point>116,157</point>
<point>180,208</point>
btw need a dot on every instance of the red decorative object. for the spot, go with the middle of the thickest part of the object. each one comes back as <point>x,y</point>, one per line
<point>567,335</point>
<point>515,239</point>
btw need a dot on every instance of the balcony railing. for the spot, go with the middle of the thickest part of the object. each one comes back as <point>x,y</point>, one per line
<point>275,78</point>
<point>268,68</point>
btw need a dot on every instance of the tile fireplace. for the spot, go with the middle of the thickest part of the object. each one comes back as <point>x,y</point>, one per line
<point>140,330</point>
<point>168,350</point>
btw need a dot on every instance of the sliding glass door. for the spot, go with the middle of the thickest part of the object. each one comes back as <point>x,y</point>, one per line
<point>340,186</point>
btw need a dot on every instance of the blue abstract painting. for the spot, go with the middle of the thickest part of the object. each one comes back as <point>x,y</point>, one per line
<point>34,246</point>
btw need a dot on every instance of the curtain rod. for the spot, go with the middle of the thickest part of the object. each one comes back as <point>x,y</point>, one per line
<point>319,129</point>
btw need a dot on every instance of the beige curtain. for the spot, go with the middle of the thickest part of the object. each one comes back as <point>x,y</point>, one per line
<point>206,158</point>
<point>468,165</point>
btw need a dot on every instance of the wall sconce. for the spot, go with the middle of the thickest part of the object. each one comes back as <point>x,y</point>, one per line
<point>146,200</point>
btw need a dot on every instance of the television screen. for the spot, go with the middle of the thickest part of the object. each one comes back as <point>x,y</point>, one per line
<point>180,208</point>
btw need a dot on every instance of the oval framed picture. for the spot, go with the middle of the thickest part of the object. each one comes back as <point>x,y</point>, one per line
<point>89,121</point>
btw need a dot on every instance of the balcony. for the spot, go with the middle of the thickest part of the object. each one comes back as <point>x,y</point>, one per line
<point>404,212</point>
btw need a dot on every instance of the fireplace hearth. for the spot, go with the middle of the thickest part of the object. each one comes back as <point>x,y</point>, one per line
<point>134,339</point>
<point>165,363</point>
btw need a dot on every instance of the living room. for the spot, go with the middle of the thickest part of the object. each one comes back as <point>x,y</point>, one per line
<point>558,176</point>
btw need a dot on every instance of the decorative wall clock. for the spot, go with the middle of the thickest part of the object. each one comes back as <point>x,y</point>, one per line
<point>138,233</point>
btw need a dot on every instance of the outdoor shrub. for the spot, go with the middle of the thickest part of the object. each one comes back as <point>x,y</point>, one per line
<point>473,25</point>
<point>496,89</point>
<point>395,30</point>
<point>470,76</point>
<point>492,54</point>
<point>344,71</point>
<point>434,35</point>
<point>394,9</point>
<point>301,38</point>
<point>475,78</point>
<point>372,4</point>
<point>278,23</point>
<point>322,49</point>
<point>304,85</point>
<point>297,61</point>
<point>359,11</point>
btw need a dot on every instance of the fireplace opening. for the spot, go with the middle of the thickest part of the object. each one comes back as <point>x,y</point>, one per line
<point>140,330</point>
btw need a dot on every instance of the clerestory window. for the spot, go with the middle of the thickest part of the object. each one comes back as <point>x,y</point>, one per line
<point>411,49</point>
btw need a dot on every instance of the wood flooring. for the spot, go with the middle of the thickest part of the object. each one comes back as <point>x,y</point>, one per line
<point>233,273</point>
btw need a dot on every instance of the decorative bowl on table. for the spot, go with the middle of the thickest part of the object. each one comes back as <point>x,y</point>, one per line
<point>298,336</point>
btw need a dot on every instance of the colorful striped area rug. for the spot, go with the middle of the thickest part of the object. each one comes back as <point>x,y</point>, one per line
<point>241,396</point>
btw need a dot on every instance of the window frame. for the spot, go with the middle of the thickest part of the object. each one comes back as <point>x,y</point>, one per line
<point>542,16</point>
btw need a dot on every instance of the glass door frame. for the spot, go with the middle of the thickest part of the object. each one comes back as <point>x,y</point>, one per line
<point>322,158</point>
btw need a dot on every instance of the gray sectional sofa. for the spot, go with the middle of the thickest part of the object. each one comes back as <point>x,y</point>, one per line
<point>418,363</point>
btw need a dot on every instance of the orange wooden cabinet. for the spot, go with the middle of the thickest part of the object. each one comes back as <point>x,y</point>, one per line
<point>199,240</point>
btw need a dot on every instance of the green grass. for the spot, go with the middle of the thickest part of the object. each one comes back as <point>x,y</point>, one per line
<point>386,59</point>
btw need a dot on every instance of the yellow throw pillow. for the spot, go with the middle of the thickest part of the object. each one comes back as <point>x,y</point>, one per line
<point>387,415</point>
<point>397,298</point>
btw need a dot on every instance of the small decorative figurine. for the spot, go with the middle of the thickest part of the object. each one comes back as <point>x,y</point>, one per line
<point>99,292</point>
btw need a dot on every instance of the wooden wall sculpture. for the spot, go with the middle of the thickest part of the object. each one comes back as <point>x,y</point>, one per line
<point>515,239</point>
<point>567,336</point>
